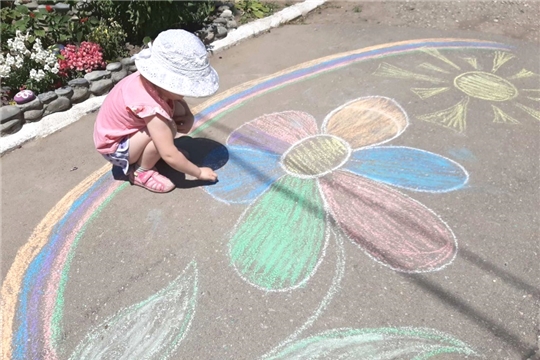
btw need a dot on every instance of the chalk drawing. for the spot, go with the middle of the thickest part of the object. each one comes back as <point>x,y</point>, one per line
<point>472,61</point>
<point>280,239</point>
<point>380,344</point>
<point>52,246</point>
<point>332,291</point>
<point>476,84</point>
<point>151,329</point>
<point>462,154</point>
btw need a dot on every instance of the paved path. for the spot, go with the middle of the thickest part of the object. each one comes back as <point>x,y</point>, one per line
<point>386,205</point>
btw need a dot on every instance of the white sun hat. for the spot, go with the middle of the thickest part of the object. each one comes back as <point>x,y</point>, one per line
<point>177,62</point>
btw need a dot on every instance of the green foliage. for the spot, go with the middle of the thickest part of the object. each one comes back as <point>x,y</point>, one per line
<point>111,37</point>
<point>49,26</point>
<point>148,18</point>
<point>253,9</point>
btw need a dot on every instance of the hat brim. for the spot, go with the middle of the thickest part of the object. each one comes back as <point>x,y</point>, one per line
<point>200,83</point>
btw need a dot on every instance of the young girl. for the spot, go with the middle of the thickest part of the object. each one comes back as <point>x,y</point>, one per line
<point>144,112</point>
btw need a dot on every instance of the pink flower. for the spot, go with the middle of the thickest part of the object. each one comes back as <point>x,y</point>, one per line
<point>88,56</point>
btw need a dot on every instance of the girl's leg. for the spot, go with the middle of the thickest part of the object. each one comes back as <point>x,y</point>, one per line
<point>143,152</point>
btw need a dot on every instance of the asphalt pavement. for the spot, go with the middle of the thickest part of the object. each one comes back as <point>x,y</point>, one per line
<point>377,199</point>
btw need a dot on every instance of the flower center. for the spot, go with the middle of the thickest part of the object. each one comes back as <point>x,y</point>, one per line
<point>316,156</point>
<point>485,86</point>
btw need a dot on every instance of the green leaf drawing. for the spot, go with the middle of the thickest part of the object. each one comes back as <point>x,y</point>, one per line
<point>380,344</point>
<point>151,329</point>
<point>280,239</point>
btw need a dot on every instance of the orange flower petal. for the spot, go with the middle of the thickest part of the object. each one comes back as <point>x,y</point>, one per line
<point>367,121</point>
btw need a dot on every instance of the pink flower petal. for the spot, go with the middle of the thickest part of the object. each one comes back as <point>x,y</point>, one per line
<point>390,227</point>
<point>274,132</point>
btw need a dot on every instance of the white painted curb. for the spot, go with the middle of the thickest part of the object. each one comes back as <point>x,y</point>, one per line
<point>261,25</point>
<point>54,122</point>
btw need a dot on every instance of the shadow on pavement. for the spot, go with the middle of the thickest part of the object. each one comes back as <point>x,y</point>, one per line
<point>200,151</point>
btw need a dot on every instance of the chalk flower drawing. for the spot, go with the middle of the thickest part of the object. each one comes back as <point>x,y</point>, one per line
<point>301,183</point>
<point>151,329</point>
<point>474,84</point>
<point>381,344</point>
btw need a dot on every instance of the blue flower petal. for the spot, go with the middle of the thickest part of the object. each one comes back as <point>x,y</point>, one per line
<point>408,168</point>
<point>248,173</point>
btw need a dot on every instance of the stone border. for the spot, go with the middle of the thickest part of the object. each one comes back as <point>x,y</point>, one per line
<point>54,122</point>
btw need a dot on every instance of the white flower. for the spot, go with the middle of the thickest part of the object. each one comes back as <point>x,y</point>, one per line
<point>47,67</point>
<point>10,60</point>
<point>33,73</point>
<point>54,70</point>
<point>4,71</point>
<point>19,61</point>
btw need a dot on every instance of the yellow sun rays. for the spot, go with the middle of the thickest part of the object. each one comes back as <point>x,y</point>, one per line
<point>475,84</point>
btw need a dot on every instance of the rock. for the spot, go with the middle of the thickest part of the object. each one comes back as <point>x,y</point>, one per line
<point>32,105</point>
<point>119,75</point>
<point>47,97</point>
<point>24,96</point>
<point>65,91</point>
<point>209,37</point>
<point>127,62</point>
<point>33,115</point>
<point>61,7</point>
<point>226,14</point>
<point>79,83</point>
<point>223,8</point>
<point>11,126</point>
<point>115,66</point>
<point>220,20</point>
<point>60,104</point>
<point>221,32</point>
<point>132,69</point>
<point>80,94</point>
<point>100,87</point>
<point>232,24</point>
<point>32,5</point>
<point>10,112</point>
<point>97,75</point>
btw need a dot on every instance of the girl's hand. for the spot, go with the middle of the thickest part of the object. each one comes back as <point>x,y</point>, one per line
<point>207,174</point>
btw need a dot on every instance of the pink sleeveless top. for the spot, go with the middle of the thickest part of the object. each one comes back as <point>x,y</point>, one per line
<point>124,109</point>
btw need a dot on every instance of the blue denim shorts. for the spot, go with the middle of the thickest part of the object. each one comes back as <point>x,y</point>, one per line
<point>120,157</point>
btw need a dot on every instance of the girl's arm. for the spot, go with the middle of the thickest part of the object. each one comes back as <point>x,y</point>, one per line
<point>162,136</point>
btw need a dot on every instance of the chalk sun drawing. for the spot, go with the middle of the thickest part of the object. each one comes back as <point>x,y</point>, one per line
<point>300,182</point>
<point>33,290</point>
<point>474,84</point>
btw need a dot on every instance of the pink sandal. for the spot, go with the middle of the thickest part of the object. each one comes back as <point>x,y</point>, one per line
<point>151,180</point>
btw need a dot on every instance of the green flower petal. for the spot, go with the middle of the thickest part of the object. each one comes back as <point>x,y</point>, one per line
<point>279,240</point>
<point>381,344</point>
